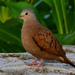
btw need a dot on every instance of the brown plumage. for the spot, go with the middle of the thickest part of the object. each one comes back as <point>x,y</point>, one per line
<point>40,41</point>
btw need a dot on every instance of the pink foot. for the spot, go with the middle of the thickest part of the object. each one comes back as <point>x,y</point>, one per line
<point>30,64</point>
<point>38,65</point>
<point>33,63</point>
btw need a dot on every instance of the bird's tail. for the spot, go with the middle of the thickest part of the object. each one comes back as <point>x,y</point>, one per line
<point>68,61</point>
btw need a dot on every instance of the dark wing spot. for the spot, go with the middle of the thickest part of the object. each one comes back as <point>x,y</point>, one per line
<point>58,41</point>
<point>52,40</point>
<point>55,44</point>
<point>38,34</point>
<point>51,37</point>
<point>43,34</point>
<point>41,49</point>
<point>49,33</point>
<point>51,43</point>
<point>46,35</point>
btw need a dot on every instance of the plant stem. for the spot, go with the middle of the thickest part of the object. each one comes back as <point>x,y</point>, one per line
<point>64,16</point>
<point>60,24</point>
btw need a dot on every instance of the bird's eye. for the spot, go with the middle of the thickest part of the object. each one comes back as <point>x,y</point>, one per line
<point>26,13</point>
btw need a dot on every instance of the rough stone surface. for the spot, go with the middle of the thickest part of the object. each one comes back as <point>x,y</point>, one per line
<point>14,64</point>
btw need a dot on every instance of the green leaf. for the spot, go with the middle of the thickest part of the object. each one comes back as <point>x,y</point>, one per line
<point>2,3</point>
<point>43,9</point>
<point>10,39</point>
<point>17,7</point>
<point>57,13</point>
<point>64,15</point>
<point>66,39</point>
<point>4,12</point>
<point>7,47</point>
<point>70,20</point>
<point>13,23</point>
<point>10,34</point>
<point>69,39</point>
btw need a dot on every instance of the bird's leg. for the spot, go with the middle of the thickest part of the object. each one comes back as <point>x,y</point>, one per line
<point>38,65</point>
<point>33,63</point>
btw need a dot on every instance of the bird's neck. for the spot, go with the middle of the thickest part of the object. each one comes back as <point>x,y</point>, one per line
<point>29,27</point>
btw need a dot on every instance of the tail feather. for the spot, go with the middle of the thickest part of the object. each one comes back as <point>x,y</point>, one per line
<point>68,61</point>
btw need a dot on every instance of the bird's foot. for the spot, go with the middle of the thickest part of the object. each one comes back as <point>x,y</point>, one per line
<point>37,65</point>
<point>30,64</point>
<point>33,63</point>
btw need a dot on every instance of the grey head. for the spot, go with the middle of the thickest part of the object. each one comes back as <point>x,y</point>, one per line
<point>26,14</point>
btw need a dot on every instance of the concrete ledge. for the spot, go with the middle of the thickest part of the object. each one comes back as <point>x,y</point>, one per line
<point>14,64</point>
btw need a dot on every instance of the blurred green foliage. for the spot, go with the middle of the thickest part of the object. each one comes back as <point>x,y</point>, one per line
<point>57,15</point>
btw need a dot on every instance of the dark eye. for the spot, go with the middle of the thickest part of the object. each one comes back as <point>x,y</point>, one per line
<point>26,13</point>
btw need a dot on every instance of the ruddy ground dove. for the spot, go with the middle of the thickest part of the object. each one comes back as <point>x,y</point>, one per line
<point>40,41</point>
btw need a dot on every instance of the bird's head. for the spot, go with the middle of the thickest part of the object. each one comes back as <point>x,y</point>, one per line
<point>27,13</point>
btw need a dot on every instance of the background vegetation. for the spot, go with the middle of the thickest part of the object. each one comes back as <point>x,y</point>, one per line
<point>57,15</point>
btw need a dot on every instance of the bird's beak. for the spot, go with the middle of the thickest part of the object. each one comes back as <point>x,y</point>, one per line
<point>19,17</point>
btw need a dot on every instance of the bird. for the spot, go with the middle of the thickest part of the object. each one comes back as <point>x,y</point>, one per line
<point>40,41</point>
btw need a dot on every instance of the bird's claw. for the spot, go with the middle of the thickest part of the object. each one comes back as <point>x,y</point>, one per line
<point>37,65</point>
